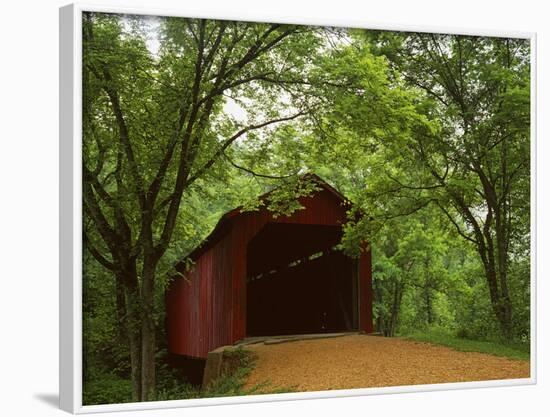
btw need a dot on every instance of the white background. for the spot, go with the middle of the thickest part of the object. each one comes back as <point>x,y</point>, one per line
<point>29,203</point>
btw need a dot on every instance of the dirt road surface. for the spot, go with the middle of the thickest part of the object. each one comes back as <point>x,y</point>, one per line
<point>360,361</point>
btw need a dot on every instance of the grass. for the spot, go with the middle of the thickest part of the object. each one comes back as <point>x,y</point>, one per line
<point>229,384</point>
<point>107,388</point>
<point>509,350</point>
<point>233,383</point>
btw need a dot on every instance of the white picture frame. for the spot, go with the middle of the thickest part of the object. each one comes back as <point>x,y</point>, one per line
<point>70,212</point>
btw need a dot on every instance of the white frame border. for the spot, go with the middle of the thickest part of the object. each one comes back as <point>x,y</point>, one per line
<point>70,210</point>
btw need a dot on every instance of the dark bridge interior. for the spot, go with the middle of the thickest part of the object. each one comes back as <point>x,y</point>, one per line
<point>297,283</point>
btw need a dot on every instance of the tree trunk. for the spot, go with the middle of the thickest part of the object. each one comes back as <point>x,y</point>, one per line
<point>148,345</point>
<point>500,299</point>
<point>396,305</point>
<point>428,293</point>
<point>130,322</point>
<point>134,341</point>
<point>379,299</point>
<point>429,307</point>
<point>121,310</point>
<point>504,316</point>
<point>502,262</point>
<point>139,325</point>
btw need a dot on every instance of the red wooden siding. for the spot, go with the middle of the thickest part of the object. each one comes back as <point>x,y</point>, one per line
<point>197,307</point>
<point>208,310</point>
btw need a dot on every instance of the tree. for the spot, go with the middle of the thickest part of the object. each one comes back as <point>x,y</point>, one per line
<point>408,257</point>
<point>154,126</point>
<point>454,134</point>
<point>405,125</point>
<point>478,161</point>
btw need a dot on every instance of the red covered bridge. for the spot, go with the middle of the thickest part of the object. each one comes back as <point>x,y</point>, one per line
<point>259,275</point>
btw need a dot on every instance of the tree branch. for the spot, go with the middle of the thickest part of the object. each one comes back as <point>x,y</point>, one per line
<point>256,174</point>
<point>232,139</point>
<point>96,254</point>
<point>458,229</point>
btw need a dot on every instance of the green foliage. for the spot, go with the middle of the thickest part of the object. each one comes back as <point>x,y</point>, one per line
<point>426,124</point>
<point>410,274</point>
<point>229,384</point>
<point>106,388</point>
<point>232,383</point>
<point>103,347</point>
<point>427,135</point>
<point>520,287</point>
<point>518,351</point>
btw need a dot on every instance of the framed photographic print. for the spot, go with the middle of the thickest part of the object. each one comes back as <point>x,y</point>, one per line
<point>256,210</point>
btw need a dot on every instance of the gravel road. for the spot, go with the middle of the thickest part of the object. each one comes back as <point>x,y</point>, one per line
<point>361,361</point>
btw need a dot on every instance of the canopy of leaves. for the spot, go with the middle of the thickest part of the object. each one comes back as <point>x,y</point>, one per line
<point>184,119</point>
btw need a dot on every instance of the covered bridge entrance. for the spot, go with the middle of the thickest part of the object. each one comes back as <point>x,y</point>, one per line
<point>297,283</point>
<point>259,275</point>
